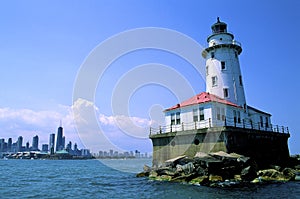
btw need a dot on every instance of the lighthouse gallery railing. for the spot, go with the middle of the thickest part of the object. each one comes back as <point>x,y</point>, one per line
<point>219,123</point>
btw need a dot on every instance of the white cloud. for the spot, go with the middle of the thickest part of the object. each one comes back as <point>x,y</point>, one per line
<point>133,126</point>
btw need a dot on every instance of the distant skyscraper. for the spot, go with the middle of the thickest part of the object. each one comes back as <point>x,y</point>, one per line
<point>45,147</point>
<point>2,141</point>
<point>35,143</point>
<point>19,143</point>
<point>75,147</point>
<point>51,141</point>
<point>59,139</point>
<point>63,143</point>
<point>69,146</point>
<point>9,144</point>
<point>27,146</point>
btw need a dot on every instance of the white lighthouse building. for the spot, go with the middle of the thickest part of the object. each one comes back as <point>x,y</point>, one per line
<point>224,102</point>
<point>220,118</point>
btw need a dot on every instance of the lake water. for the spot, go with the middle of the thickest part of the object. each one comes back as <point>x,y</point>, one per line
<point>112,179</point>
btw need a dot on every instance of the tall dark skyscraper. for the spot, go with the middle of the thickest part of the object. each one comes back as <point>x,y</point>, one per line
<point>19,143</point>
<point>2,143</point>
<point>52,142</point>
<point>59,139</point>
<point>9,144</point>
<point>35,143</point>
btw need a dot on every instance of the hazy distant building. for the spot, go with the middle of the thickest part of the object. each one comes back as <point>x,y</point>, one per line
<point>59,139</point>
<point>52,142</point>
<point>75,147</point>
<point>45,147</point>
<point>111,153</point>
<point>69,147</point>
<point>85,152</point>
<point>137,154</point>
<point>9,145</point>
<point>2,143</point>
<point>19,143</point>
<point>26,147</point>
<point>35,143</point>
<point>105,154</point>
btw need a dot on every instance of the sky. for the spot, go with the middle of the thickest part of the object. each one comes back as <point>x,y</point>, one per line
<point>45,46</point>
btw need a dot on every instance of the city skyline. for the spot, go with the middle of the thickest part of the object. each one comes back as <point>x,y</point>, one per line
<point>35,145</point>
<point>56,145</point>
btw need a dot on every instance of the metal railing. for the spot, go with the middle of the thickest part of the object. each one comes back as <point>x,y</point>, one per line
<point>223,122</point>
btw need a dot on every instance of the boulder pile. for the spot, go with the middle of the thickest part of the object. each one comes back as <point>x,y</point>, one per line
<point>218,169</point>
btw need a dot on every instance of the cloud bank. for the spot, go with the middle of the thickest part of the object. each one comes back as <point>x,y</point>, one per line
<point>95,131</point>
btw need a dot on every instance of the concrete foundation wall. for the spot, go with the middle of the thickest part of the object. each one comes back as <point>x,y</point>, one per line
<point>265,147</point>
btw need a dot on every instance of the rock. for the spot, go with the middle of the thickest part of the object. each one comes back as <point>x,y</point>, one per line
<point>215,178</point>
<point>162,170</point>
<point>153,175</point>
<point>202,180</point>
<point>237,177</point>
<point>146,168</point>
<point>184,178</point>
<point>188,168</point>
<point>257,180</point>
<point>248,173</point>
<point>142,174</point>
<point>297,167</point>
<point>163,178</point>
<point>271,175</point>
<point>174,161</point>
<point>289,173</point>
<point>201,171</point>
<point>275,167</point>
<point>169,173</point>
<point>201,155</point>
<point>243,159</point>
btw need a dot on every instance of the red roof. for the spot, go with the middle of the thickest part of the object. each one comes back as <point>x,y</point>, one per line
<point>202,98</point>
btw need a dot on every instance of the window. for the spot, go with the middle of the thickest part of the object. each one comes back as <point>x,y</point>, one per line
<point>218,113</point>
<point>195,115</point>
<point>234,116</point>
<point>207,70</point>
<point>201,113</point>
<point>238,116</point>
<point>212,54</point>
<point>225,91</point>
<point>172,119</point>
<point>178,118</point>
<point>223,114</point>
<point>261,121</point>
<point>241,82</point>
<point>214,81</point>
<point>223,67</point>
<point>267,122</point>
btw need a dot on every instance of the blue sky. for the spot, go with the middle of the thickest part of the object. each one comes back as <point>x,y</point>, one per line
<point>43,44</point>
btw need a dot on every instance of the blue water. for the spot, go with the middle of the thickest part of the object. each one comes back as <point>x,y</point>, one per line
<point>94,179</point>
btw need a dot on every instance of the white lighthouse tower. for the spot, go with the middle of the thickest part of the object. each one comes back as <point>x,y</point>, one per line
<point>223,74</point>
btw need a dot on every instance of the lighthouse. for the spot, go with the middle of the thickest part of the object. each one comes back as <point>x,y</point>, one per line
<point>223,73</point>
<point>220,119</point>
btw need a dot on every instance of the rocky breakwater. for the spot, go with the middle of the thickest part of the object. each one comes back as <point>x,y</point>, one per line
<point>220,169</point>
